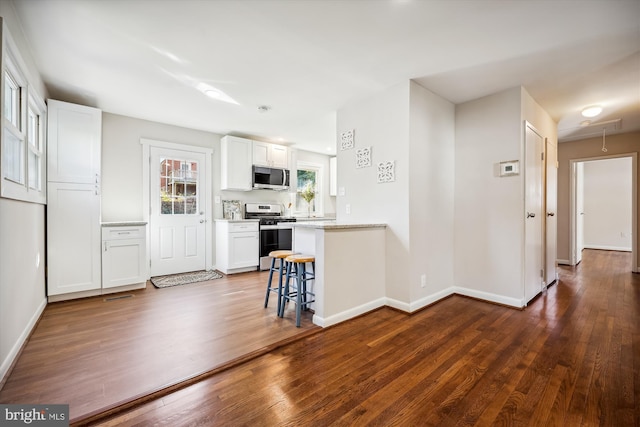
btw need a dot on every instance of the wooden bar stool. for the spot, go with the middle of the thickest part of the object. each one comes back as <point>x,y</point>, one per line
<point>300,294</point>
<point>281,270</point>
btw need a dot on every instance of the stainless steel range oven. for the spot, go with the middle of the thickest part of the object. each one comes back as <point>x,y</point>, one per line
<point>276,232</point>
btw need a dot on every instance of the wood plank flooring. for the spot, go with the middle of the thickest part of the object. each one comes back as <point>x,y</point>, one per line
<point>571,358</point>
<point>95,355</point>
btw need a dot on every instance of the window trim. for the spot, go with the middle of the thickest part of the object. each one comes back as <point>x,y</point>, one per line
<point>319,205</point>
<point>29,99</point>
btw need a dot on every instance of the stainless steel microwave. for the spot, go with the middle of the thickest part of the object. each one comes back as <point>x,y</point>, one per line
<point>270,178</point>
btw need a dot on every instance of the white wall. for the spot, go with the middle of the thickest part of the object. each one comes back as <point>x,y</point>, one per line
<point>431,192</point>
<point>381,122</point>
<point>122,160</point>
<point>414,127</point>
<point>608,204</point>
<point>22,280</point>
<point>489,210</point>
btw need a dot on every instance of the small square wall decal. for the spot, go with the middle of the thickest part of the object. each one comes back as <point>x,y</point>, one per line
<point>363,157</point>
<point>386,172</point>
<point>347,139</point>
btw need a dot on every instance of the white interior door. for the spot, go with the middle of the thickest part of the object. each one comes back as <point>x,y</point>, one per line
<point>551,220</point>
<point>579,211</point>
<point>533,265</point>
<point>177,211</point>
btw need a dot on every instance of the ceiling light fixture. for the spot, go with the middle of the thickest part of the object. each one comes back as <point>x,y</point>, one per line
<point>215,93</point>
<point>592,111</point>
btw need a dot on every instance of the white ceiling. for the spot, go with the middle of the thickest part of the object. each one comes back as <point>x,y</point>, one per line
<point>305,59</point>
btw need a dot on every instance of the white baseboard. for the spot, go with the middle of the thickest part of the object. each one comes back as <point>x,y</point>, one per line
<point>608,248</point>
<point>15,350</point>
<point>348,314</point>
<point>416,305</point>
<point>430,299</point>
<point>499,299</point>
<point>563,261</point>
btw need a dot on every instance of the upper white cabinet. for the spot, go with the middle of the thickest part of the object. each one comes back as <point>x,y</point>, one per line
<point>333,176</point>
<point>270,155</point>
<point>74,138</point>
<point>235,163</point>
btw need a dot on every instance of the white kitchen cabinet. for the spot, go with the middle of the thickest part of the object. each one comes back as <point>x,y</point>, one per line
<point>270,155</point>
<point>333,176</point>
<point>237,246</point>
<point>236,158</point>
<point>123,256</point>
<point>73,238</point>
<point>74,135</point>
<point>73,194</point>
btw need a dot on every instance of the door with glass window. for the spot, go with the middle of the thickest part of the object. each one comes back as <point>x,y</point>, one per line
<point>177,218</point>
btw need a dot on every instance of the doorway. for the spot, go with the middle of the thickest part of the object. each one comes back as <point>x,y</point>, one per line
<point>177,206</point>
<point>612,233</point>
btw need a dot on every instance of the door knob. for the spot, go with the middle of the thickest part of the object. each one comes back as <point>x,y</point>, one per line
<point>550,214</point>
<point>531,215</point>
<point>202,221</point>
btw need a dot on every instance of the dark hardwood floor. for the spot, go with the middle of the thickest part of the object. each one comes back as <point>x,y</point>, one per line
<point>571,358</point>
<point>100,353</point>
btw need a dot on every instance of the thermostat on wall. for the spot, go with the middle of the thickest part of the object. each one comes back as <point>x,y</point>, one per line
<point>509,168</point>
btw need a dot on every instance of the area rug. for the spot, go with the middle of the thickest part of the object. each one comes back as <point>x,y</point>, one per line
<point>184,278</point>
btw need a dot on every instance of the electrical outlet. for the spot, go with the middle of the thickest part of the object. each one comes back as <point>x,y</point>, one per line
<point>217,200</point>
<point>423,280</point>
<point>347,208</point>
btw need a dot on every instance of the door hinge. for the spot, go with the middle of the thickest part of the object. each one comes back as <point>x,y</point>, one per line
<point>541,156</point>
<point>541,272</point>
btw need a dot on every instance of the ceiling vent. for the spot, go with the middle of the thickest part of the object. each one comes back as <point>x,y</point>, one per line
<point>610,125</point>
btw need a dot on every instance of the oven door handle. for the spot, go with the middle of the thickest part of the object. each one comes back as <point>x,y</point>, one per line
<point>276,227</point>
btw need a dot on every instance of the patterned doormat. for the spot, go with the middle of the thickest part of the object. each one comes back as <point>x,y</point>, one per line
<point>184,278</point>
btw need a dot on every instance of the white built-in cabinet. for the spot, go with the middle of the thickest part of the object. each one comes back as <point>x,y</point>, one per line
<point>236,156</point>
<point>270,155</point>
<point>333,176</point>
<point>73,193</point>
<point>237,246</point>
<point>123,256</point>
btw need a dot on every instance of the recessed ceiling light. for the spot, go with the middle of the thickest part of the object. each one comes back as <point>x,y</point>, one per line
<point>592,111</point>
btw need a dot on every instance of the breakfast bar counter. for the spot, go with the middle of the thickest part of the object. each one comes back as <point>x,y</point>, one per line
<point>350,267</point>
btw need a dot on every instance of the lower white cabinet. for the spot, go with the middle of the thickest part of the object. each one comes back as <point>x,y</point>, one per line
<point>123,256</point>
<point>73,238</point>
<point>237,246</point>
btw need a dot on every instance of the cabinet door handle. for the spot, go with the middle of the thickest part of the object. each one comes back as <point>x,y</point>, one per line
<point>105,246</point>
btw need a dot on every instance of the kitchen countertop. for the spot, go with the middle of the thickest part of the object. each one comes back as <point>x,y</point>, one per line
<point>235,220</point>
<point>123,223</point>
<point>336,225</point>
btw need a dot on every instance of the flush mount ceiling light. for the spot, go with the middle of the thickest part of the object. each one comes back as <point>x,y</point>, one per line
<point>592,111</point>
<point>215,93</point>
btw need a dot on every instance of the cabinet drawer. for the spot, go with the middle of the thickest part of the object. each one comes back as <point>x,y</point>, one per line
<point>238,227</point>
<point>123,232</point>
